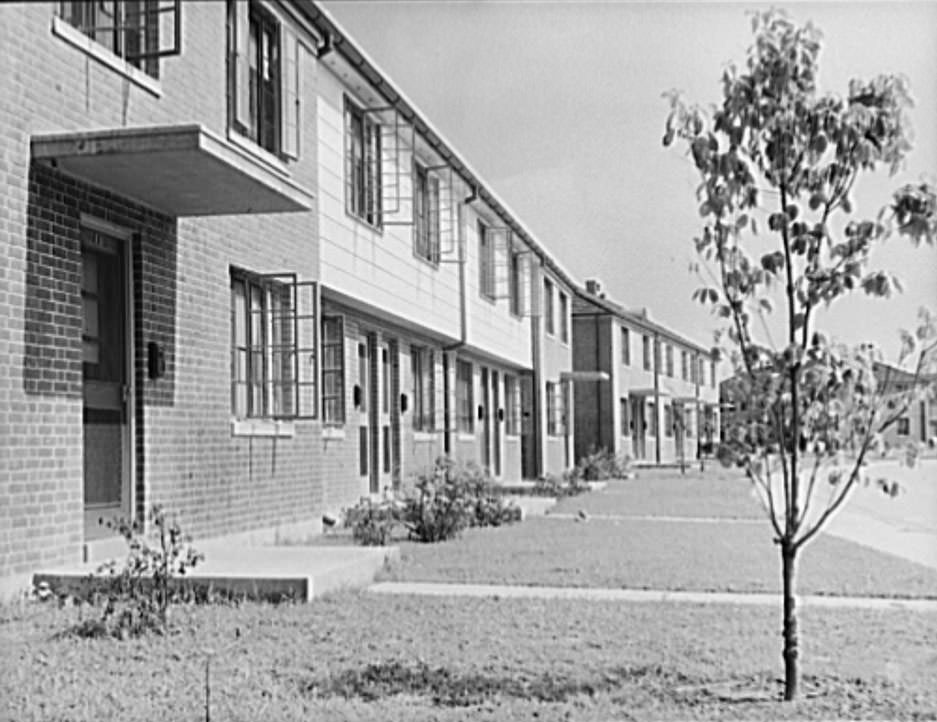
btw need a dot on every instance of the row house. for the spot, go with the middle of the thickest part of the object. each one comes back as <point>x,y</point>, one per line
<point>654,395</point>
<point>439,309</point>
<point>243,277</point>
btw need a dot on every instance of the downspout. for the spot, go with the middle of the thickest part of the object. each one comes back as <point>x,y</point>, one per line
<point>536,401</point>
<point>657,424</point>
<point>463,321</point>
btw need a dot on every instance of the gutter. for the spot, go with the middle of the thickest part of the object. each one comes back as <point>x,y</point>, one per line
<point>337,40</point>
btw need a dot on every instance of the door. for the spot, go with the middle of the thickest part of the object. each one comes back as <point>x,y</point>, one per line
<point>362,406</point>
<point>381,370</point>
<point>486,421</point>
<point>528,428</point>
<point>497,416</point>
<point>106,417</point>
<point>638,426</point>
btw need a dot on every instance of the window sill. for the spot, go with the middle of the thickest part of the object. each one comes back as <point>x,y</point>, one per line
<point>333,432</point>
<point>374,228</point>
<point>74,37</point>
<point>271,428</point>
<point>270,160</point>
<point>424,435</point>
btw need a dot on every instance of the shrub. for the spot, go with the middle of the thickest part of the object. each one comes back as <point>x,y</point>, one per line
<point>373,522</point>
<point>570,483</point>
<point>137,596</point>
<point>602,464</point>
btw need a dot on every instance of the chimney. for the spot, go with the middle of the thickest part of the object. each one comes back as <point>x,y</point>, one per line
<point>594,287</point>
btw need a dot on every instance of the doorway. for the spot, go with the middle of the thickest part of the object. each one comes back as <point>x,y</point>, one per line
<point>106,335</point>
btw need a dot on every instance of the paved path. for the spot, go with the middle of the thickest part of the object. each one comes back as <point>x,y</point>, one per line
<point>655,517</point>
<point>644,595</point>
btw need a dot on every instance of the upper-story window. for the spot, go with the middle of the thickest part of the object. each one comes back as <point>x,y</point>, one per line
<point>362,165</point>
<point>486,261</point>
<point>668,359</point>
<point>625,346</point>
<point>712,374</point>
<point>130,30</point>
<point>263,79</point>
<point>425,214</point>
<point>564,317</point>
<point>684,365</point>
<point>514,290</point>
<point>548,319</point>
<point>646,348</point>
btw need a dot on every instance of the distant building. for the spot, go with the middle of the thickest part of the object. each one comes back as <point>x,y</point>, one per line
<point>659,400</point>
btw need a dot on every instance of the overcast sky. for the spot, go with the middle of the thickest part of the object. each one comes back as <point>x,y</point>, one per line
<point>559,107</point>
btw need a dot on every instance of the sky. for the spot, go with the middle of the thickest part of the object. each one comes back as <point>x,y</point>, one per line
<point>558,105</point>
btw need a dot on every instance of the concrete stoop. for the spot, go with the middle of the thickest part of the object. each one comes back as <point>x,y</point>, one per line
<point>257,572</point>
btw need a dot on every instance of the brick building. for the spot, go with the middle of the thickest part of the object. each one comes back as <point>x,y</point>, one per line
<point>658,401</point>
<point>242,276</point>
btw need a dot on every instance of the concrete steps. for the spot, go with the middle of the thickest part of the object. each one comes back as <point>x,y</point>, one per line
<point>301,573</point>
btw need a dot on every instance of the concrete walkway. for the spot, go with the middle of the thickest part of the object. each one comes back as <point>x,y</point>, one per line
<point>499,591</point>
<point>652,517</point>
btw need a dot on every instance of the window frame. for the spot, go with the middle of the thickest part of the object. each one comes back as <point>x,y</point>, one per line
<point>426,220</point>
<point>514,281</point>
<point>147,61</point>
<point>369,173</point>
<point>625,337</point>
<point>327,370</point>
<point>646,352</point>
<point>668,360</point>
<point>486,262</point>
<point>562,302</point>
<point>549,322</point>
<point>557,411</point>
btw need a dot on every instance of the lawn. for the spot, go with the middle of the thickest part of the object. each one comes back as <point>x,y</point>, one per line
<point>357,656</point>
<point>645,554</point>
<point>665,492</point>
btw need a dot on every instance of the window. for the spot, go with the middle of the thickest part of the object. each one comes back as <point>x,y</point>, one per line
<point>425,214</point>
<point>689,413</point>
<point>712,373</point>
<point>668,356</point>
<point>364,379</point>
<point>130,30</point>
<point>694,369</point>
<point>260,369</point>
<point>646,344</point>
<point>421,365</point>
<point>515,282</point>
<point>625,346</point>
<point>652,414</point>
<point>263,79</point>
<point>701,377</point>
<point>333,370</point>
<point>385,383</point>
<point>465,405</point>
<point>904,426</point>
<point>549,321</point>
<point>486,261</point>
<point>362,165</point>
<point>512,405</point>
<point>668,420</point>
<point>684,365</point>
<point>623,417</point>
<point>557,408</point>
<point>564,317</point>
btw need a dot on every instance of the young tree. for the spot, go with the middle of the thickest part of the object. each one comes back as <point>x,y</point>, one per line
<point>778,149</point>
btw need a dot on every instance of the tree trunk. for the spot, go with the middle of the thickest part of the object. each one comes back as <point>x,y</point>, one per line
<point>788,567</point>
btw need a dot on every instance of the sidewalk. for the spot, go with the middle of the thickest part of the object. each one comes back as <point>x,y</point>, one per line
<point>645,595</point>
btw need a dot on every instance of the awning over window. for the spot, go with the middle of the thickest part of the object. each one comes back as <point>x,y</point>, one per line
<point>181,170</point>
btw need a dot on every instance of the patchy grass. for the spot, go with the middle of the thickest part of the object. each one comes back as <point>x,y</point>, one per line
<point>722,493</point>
<point>644,554</point>
<point>356,656</point>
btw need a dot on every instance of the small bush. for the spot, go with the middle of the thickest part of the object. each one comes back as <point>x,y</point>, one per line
<point>137,596</point>
<point>445,500</point>
<point>373,522</point>
<point>601,464</point>
<point>570,483</point>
